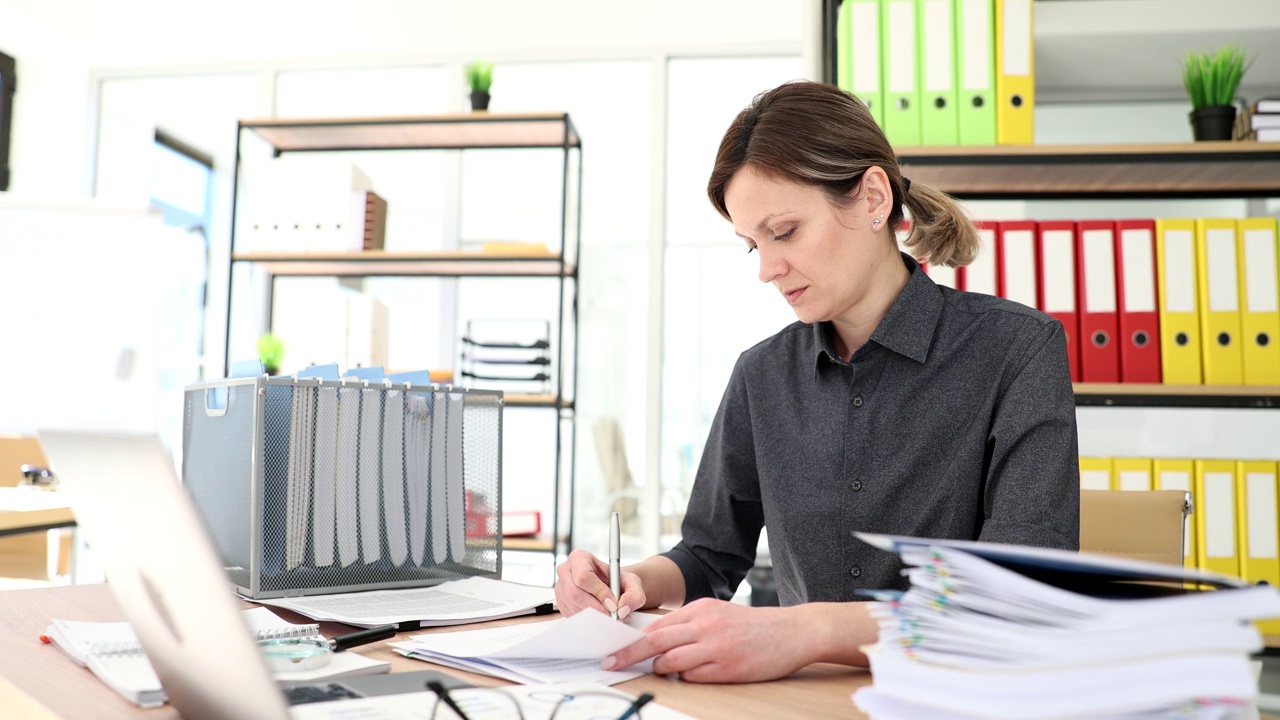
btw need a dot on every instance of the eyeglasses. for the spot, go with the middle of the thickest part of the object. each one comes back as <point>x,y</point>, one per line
<point>499,704</point>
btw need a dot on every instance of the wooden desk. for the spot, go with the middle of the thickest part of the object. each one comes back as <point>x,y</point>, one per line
<point>16,522</point>
<point>24,545</point>
<point>49,677</point>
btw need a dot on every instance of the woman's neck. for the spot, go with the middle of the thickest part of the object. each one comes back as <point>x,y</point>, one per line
<point>852,330</point>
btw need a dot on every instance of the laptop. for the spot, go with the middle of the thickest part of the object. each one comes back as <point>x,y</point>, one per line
<point>163,567</point>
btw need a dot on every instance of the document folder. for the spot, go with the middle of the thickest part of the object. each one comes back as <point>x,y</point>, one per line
<point>1219,295</point>
<point>1056,267</point>
<point>1180,362</point>
<point>1257,531</point>
<point>1015,73</point>
<point>1097,473</point>
<point>1132,474</point>
<point>1215,515</point>
<point>939,119</point>
<point>898,48</point>
<point>1096,275</point>
<point>1171,474</point>
<point>1139,328</point>
<point>1260,316</point>
<point>976,76</point>
<point>980,275</point>
<point>1017,263</point>
<point>864,71</point>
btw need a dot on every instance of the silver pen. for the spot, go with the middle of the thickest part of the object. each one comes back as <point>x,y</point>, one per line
<point>615,570</point>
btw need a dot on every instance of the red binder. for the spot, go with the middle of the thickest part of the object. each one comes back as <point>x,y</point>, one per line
<point>1096,284</point>
<point>1139,315</point>
<point>1016,263</point>
<point>980,275</point>
<point>1056,266</point>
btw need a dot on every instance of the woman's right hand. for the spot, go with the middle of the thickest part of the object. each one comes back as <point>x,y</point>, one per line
<point>582,582</point>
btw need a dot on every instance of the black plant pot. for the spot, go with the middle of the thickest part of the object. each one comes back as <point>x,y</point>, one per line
<point>479,101</point>
<point>1214,122</point>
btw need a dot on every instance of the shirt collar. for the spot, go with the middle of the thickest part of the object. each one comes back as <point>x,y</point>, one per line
<point>908,327</point>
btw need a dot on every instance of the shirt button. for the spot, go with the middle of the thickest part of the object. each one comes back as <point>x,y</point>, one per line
<point>857,401</point>
<point>855,571</point>
<point>856,485</point>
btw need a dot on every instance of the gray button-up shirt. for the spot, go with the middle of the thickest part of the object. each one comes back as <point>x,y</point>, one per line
<point>955,420</point>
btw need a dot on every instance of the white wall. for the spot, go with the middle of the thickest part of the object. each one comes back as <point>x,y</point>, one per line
<point>50,113</point>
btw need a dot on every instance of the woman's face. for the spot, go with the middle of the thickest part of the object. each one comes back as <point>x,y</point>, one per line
<point>819,256</point>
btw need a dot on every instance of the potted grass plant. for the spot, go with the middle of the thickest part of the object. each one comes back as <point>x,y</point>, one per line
<point>479,78</point>
<point>271,353</point>
<point>1211,80</point>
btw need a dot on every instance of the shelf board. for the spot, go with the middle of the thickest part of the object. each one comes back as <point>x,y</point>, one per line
<point>537,543</point>
<point>421,132</point>
<point>1152,170</point>
<point>1201,396</point>
<point>380,263</point>
<point>26,521</point>
<point>535,400</point>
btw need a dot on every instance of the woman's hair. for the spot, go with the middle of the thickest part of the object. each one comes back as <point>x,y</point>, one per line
<point>815,134</point>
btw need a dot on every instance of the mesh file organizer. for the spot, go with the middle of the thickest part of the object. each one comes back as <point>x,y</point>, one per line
<point>318,486</point>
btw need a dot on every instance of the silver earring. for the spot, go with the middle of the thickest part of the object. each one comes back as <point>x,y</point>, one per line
<point>876,223</point>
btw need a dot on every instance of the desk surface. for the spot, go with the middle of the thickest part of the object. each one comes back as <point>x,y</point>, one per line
<point>13,522</point>
<point>49,677</point>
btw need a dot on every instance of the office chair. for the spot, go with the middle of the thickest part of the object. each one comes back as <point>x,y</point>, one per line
<point>1135,524</point>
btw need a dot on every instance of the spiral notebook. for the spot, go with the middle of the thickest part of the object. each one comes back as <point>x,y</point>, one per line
<point>81,639</point>
<point>112,651</point>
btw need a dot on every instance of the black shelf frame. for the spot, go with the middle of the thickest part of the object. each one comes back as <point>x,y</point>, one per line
<point>569,143</point>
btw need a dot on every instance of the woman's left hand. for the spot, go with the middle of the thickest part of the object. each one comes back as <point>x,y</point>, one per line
<point>714,641</point>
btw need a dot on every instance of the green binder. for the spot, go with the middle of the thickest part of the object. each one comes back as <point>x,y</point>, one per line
<point>865,73</point>
<point>898,55</point>
<point>976,71</point>
<point>939,123</point>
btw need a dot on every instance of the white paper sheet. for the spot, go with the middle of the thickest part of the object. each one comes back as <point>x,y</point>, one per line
<point>451,603</point>
<point>564,650</point>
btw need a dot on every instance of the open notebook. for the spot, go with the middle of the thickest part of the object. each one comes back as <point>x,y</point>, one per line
<point>111,651</point>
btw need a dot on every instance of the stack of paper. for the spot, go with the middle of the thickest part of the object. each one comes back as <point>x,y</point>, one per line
<point>999,631</point>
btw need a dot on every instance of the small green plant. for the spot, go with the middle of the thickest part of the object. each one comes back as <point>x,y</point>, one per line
<point>1211,79</point>
<point>271,352</point>
<point>479,76</point>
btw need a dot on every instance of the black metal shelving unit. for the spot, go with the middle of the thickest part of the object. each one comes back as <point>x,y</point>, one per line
<point>453,132</point>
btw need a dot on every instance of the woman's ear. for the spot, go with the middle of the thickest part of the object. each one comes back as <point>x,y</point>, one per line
<point>879,195</point>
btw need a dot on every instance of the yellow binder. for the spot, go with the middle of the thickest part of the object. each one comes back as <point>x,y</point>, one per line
<point>864,71</point>
<point>1215,514</point>
<point>1179,315</point>
<point>1219,299</point>
<point>1258,532</point>
<point>1179,475</point>
<point>939,101</point>
<point>1259,311</point>
<point>898,55</point>
<point>1131,473</point>
<point>1096,473</point>
<point>1015,73</point>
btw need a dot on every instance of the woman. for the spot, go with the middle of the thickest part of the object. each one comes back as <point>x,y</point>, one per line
<point>894,405</point>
